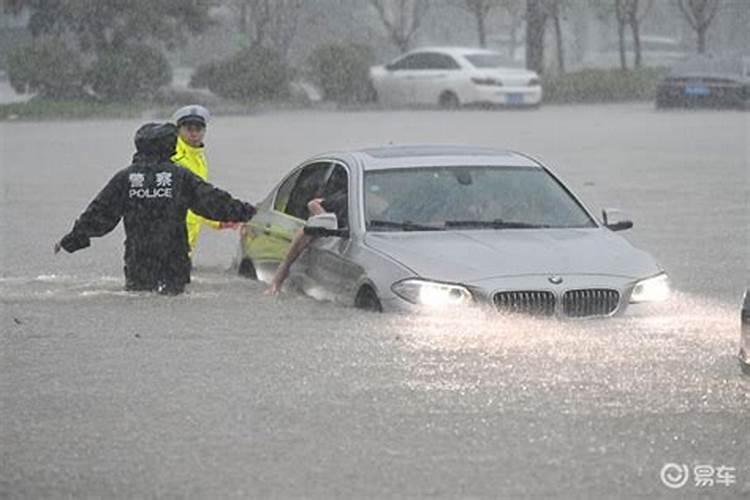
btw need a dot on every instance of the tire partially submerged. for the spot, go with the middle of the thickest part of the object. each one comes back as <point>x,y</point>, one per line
<point>367,300</point>
<point>247,269</point>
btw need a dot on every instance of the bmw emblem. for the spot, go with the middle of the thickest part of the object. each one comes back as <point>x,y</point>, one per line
<point>555,280</point>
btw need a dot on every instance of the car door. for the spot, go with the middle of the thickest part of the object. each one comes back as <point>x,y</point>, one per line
<point>330,272</point>
<point>272,231</point>
<point>433,77</point>
<point>397,85</point>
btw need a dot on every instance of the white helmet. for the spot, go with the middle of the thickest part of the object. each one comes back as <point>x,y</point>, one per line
<point>191,113</point>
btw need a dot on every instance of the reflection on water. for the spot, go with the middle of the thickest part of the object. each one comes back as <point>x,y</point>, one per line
<point>71,287</point>
<point>680,360</point>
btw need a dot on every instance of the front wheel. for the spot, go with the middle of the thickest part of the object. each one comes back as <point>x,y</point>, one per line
<point>449,100</point>
<point>247,269</point>
<point>367,300</point>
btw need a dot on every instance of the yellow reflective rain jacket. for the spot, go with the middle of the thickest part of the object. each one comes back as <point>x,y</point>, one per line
<point>193,159</point>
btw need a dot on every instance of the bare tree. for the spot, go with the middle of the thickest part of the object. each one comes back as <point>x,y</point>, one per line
<point>553,11</point>
<point>637,11</point>
<point>536,19</point>
<point>538,12</point>
<point>480,9</point>
<point>621,16</point>
<point>627,14</point>
<point>699,14</point>
<point>401,18</point>
<point>514,10</point>
<point>271,23</point>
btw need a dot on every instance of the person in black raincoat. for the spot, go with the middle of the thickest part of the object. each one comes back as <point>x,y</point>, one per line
<point>152,196</point>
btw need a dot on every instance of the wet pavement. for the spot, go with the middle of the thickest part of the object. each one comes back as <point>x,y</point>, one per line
<point>224,392</point>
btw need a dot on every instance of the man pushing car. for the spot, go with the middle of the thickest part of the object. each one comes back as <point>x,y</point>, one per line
<point>152,196</point>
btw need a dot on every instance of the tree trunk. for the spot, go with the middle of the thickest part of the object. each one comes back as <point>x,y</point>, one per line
<point>635,27</point>
<point>481,29</point>
<point>513,42</point>
<point>401,42</point>
<point>702,39</point>
<point>621,36</point>
<point>699,15</point>
<point>560,48</point>
<point>535,21</point>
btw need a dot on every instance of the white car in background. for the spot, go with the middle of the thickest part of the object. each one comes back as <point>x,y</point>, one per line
<point>454,76</point>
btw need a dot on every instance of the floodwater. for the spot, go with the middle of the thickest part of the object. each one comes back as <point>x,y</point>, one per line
<point>225,392</point>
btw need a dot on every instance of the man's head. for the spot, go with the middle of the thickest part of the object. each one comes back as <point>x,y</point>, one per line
<point>191,123</point>
<point>156,139</point>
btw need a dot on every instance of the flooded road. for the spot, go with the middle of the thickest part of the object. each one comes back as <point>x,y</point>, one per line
<point>224,392</point>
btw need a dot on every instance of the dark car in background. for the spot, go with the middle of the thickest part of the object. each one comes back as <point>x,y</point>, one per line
<point>707,81</point>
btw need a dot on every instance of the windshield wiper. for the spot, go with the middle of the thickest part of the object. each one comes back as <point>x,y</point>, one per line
<point>405,225</point>
<point>492,224</point>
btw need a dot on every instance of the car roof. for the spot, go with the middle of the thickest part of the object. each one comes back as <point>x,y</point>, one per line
<point>455,50</point>
<point>386,157</point>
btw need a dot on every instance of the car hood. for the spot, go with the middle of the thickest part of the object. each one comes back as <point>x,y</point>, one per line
<point>472,256</point>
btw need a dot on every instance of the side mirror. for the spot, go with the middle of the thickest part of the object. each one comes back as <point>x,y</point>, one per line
<point>616,220</point>
<point>390,67</point>
<point>324,225</point>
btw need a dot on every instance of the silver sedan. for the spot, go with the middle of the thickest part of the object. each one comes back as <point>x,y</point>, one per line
<point>449,226</point>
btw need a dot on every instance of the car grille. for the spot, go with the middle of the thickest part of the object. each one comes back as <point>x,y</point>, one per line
<point>536,303</point>
<point>575,303</point>
<point>590,302</point>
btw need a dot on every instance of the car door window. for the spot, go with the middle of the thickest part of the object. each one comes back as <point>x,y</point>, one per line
<point>336,195</point>
<point>410,62</point>
<point>425,61</point>
<point>435,61</point>
<point>305,185</point>
<point>282,194</point>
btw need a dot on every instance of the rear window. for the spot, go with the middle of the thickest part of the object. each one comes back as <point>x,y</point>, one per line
<point>484,61</point>
<point>709,65</point>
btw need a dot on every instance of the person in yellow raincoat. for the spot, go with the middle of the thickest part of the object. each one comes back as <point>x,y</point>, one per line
<point>190,153</point>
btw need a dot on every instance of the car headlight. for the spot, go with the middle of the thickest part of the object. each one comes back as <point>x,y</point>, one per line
<point>654,289</point>
<point>431,293</point>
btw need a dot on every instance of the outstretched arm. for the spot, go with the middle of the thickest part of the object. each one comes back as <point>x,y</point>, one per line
<point>100,217</point>
<point>299,244</point>
<point>213,203</point>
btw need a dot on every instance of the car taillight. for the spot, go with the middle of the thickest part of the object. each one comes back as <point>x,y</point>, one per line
<point>486,81</point>
<point>534,82</point>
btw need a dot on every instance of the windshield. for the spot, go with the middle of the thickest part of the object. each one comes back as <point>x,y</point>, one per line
<point>436,198</point>
<point>490,61</point>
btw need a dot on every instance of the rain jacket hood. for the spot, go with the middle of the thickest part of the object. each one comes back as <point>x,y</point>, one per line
<point>156,140</point>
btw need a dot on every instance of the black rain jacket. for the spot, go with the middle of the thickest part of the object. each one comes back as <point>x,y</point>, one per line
<point>152,197</point>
